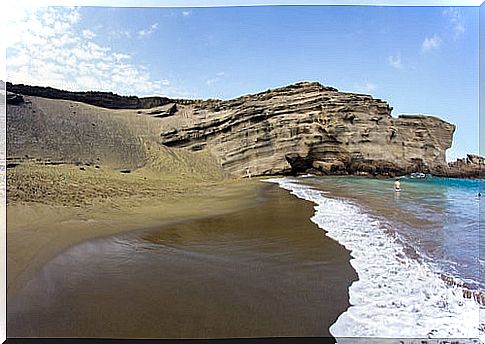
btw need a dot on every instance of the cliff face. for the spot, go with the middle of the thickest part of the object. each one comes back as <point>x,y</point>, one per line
<point>307,127</point>
<point>301,128</point>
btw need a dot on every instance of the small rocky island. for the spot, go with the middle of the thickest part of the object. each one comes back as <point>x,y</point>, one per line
<point>301,128</point>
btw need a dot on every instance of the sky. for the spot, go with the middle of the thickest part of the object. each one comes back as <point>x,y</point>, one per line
<point>419,59</point>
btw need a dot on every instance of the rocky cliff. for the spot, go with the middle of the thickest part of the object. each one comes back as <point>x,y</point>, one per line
<point>307,127</point>
<point>300,128</point>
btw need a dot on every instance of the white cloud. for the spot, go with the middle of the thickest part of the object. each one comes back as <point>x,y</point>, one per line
<point>186,13</point>
<point>215,79</point>
<point>365,87</point>
<point>431,43</point>
<point>456,21</point>
<point>120,33</point>
<point>148,31</point>
<point>88,34</point>
<point>121,56</point>
<point>395,61</point>
<point>48,47</point>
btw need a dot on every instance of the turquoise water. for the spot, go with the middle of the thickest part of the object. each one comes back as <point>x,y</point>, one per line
<point>402,246</point>
<point>439,218</point>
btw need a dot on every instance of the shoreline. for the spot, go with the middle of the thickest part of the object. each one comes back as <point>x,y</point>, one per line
<point>389,281</point>
<point>218,276</point>
<point>206,204</point>
<point>38,232</point>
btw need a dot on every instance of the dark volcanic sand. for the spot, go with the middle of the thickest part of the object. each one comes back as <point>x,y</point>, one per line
<point>264,271</point>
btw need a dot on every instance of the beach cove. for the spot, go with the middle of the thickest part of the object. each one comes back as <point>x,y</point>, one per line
<point>147,217</point>
<point>258,268</point>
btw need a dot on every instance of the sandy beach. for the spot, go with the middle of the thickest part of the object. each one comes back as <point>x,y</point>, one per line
<point>244,171</point>
<point>261,269</point>
<point>51,208</point>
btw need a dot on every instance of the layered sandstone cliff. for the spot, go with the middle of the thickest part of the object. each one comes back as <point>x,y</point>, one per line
<point>300,128</point>
<point>307,127</point>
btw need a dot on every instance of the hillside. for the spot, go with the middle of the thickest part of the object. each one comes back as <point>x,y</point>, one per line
<point>72,153</point>
<point>301,128</point>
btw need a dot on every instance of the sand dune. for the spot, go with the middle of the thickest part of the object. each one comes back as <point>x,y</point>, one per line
<point>78,171</point>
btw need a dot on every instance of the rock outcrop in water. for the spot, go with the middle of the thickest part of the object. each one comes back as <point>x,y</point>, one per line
<point>473,166</point>
<point>301,128</point>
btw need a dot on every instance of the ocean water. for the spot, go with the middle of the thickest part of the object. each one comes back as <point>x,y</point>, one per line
<point>416,253</point>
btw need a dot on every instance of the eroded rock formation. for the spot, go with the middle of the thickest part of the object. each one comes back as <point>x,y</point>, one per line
<point>300,128</point>
<point>307,127</point>
<point>473,166</point>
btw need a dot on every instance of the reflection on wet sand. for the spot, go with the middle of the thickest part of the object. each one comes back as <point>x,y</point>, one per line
<point>264,271</point>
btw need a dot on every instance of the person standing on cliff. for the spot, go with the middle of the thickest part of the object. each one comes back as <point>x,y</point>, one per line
<point>397,185</point>
<point>248,173</point>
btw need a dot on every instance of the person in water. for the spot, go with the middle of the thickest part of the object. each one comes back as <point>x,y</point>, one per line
<point>397,185</point>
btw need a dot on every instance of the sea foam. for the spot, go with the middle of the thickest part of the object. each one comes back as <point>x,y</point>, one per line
<point>394,296</point>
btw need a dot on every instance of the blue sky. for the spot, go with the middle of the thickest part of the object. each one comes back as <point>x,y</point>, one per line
<point>419,59</point>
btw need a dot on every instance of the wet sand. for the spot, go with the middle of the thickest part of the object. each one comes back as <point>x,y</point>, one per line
<point>265,270</point>
<point>38,232</point>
